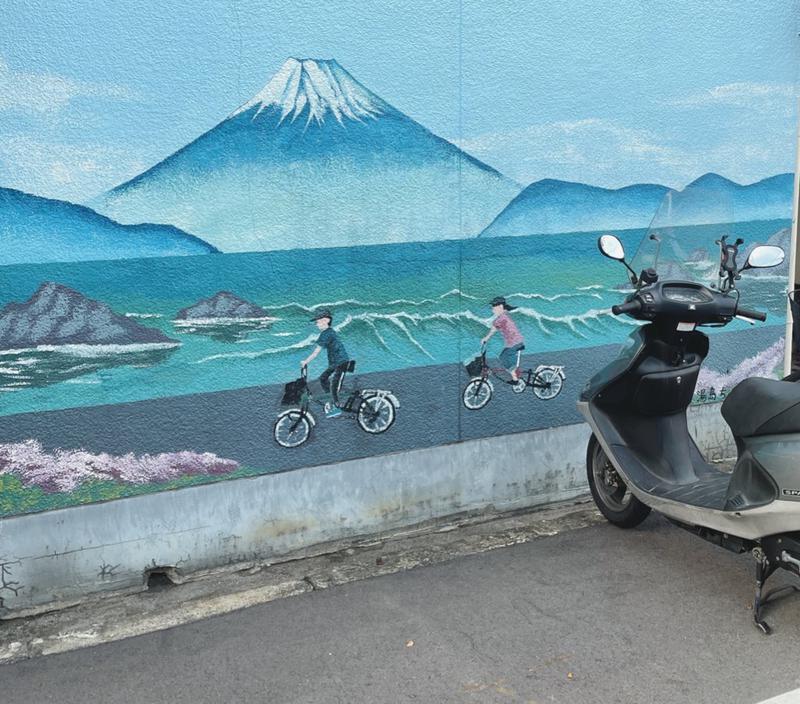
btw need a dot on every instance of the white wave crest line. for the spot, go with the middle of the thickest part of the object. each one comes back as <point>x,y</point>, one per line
<point>90,350</point>
<point>399,323</point>
<point>255,354</point>
<point>292,304</point>
<point>554,297</point>
<point>569,320</point>
<point>143,315</point>
<point>357,302</point>
<point>459,293</point>
<point>407,301</point>
<point>395,319</point>
<point>590,287</point>
<point>383,342</point>
<point>213,322</point>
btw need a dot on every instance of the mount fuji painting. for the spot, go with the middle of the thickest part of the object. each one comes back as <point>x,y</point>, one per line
<point>315,160</point>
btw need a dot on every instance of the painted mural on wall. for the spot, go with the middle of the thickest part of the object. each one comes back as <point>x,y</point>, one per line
<point>311,274</point>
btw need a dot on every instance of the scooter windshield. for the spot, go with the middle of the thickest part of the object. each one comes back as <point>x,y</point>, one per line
<point>692,226</point>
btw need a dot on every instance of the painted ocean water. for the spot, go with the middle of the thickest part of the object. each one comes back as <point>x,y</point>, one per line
<point>395,306</point>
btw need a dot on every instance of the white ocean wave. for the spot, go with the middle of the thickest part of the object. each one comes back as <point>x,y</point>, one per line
<point>572,320</point>
<point>213,322</point>
<point>84,350</point>
<point>408,323</point>
<point>255,354</point>
<point>459,294</point>
<point>554,297</point>
<point>359,303</point>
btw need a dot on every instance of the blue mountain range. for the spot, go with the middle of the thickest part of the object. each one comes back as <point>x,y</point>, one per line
<point>34,229</point>
<point>713,198</point>
<point>552,206</point>
<point>314,160</point>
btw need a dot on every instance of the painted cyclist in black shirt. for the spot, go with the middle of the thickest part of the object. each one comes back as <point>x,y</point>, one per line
<point>337,360</point>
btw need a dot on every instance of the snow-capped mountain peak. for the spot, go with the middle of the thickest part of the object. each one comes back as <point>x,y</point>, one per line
<point>320,86</point>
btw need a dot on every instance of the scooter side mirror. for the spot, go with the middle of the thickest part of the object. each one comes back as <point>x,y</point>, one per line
<point>764,256</point>
<point>611,247</point>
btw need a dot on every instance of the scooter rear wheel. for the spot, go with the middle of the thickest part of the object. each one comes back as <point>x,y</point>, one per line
<point>610,493</point>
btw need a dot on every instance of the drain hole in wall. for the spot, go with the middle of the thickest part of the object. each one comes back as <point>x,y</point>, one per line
<point>159,578</point>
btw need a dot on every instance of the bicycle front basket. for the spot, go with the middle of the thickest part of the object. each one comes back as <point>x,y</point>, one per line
<point>293,391</point>
<point>475,367</point>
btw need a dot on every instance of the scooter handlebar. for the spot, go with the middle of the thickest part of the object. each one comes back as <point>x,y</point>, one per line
<point>629,307</point>
<point>751,314</point>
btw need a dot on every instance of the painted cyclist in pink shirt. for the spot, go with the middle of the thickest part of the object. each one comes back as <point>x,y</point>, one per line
<point>512,339</point>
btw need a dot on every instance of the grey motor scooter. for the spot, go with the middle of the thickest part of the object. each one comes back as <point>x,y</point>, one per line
<point>641,456</point>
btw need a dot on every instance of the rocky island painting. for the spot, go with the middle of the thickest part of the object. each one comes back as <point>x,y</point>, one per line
<point>171,229</point>
<point>223,316</point>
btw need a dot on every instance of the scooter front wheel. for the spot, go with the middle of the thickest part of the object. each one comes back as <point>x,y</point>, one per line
<point>610,493</point>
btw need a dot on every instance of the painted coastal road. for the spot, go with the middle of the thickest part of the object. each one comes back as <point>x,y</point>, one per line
<point>238,424</point>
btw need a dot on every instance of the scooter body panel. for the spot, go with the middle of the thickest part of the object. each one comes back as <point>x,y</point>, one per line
<point>636,407</point>
<point>779,456</point>
<point>779,516</point>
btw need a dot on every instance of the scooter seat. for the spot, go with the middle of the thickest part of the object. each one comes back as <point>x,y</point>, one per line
<point>758,406</point>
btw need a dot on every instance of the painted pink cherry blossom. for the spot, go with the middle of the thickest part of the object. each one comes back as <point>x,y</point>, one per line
<point>65,470</point>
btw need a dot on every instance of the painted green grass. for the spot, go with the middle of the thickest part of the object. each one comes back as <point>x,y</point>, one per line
<point>16,499</point>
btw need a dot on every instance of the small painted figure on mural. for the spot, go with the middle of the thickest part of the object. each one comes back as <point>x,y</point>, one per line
<point>375,410</point>
<point>546,381</point>
<point>331,378</point>
<point>514,342</point>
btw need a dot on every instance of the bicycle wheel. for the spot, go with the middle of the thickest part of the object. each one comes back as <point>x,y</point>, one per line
<point>291,429</point>
<point>547,383</point>
<point>376,414</point>
<point>477,394</point>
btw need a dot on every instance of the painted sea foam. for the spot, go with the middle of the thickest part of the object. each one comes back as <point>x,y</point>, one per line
<point>395,306</point>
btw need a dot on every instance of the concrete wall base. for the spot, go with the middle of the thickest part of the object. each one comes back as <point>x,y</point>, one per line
<point>59,557</point>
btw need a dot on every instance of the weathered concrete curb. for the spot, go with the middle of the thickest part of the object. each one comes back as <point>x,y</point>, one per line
<point>58,558</point>
<point>102,620</point>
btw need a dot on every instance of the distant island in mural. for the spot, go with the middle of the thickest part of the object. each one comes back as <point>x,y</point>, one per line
<point>34,229</point>
<point>58,315</point>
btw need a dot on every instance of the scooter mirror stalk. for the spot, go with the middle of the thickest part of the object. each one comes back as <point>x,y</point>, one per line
<point>611,247</point>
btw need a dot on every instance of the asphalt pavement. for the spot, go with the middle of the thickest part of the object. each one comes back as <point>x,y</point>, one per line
<point>590,615</point>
